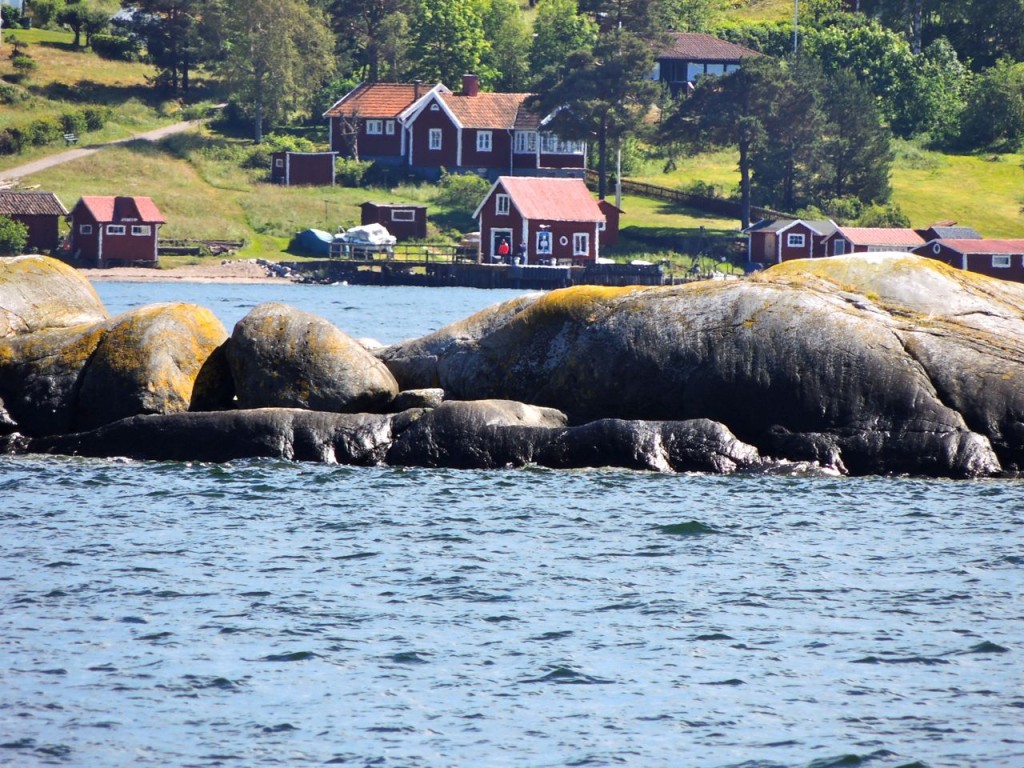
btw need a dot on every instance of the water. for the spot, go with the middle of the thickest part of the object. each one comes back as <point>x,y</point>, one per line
<point>272,613</point>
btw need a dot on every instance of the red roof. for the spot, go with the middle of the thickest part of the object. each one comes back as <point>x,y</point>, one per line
<point>695,46</point>
<point>891,236</point>
<point>552,199</point>
<point>984,246</point>
<point>106,209</point>
<point>384,100</point>
<point>485,110</point>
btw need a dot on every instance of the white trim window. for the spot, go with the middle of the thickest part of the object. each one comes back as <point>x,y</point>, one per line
<point>279,162</point>
<point>544,243</point>
<point>1002,261</point>
<point>483,141</point>
<point>795,240</point>
<point>115,229</point>
<point>502,204</point>
<point>581,244</point>
<point>389,127</point>
<point>434,139</point>
<point>85,229</point>
<point>374,127</point>
<point>526,142</point>
<point>142,230</point>
<point>403,214</point>
<point>550,144</point>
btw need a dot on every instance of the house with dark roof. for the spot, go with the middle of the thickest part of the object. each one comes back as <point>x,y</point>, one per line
<point>948,230</point>
<point>427,129</point>
<point>114,231</point>
<point>1003,259</point>
<point>690,56</point>
<point>775,241</point>
<point>871,239</point>
<point>40,212</point>
<point>540,220</point>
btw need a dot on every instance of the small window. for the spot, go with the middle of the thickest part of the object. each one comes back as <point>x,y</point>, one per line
<point>142,230</point>
<point>435,138</point>
<point>602,226</point>
<point>581,244</point>
<point>279,162</point>
<point>795,241</point>
<point>936,249</point>
<point>85,229</point>
<point>526,142</point>
<point>434,107</point>
<point>483,141</point>
<point>544,243</point>
<point>502,204</point>
<point>403,215</point>
<point>389,127</point>
<point>375,127</point>
<point>115,229</point>
<point>1001,260</point>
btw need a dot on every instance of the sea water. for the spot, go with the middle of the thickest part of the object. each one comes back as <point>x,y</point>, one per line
<point>275,613</point>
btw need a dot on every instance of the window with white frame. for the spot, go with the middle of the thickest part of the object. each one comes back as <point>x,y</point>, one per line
<point>526,142</point>
<point>389,127</point>
<point>115,229</point>
<point>85,229</point>
<point>403,214</point>
<point>483,141</point>
<point>375,127</point>
<point>502,204</point>
<point>552,145</point>
<point>795,240</point>
<point>581,244</point>
<point>143,230</point>
<point>434,138</point>
<point>279,162</point>
<point>1001,260</point>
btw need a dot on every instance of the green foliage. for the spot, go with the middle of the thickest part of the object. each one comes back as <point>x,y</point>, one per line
<point>9,94</point>
<point>560,32</point>
<point>350,172</point>
<point>510,38</point>
<point>461,191</point>
<point>73,122</point>
<point>449,42</point>
<point>13,237</point>
<point>995,119</point>
<point>888,215</point>
<point>260,154</point>
<point>96,117</point>
<point>23,64</point>
<point>45,130</point>
<point>44,12</point>
<point>115,47</point>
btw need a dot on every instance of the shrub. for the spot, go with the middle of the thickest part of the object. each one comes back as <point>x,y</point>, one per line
<point>11,141</point>
<point>461,191</point>
<point>259,155</point>
<point>23,64</point>
<point>351,173</point>
<point>11,95</point>
<point>73,122</point>
<point>96,117</point>
<point>45,130</point>
<point>115,47</point>
<point>13,237</point>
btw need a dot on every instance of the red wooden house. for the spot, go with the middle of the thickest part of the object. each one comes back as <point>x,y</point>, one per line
<point>772,242</point>
<point>540,220</point>
<point>40,212</point>
<point>112,231</point>
<point>405,222</point>
<point>996,258</point>
<point>303,168</point>
<point>871,239</point>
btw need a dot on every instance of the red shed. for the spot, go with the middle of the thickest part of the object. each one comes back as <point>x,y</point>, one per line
<point>314,169</point>
<point>540,220</point>
<point>1003,259</point>
<point>110,231</point>
<point>40,212</point>
<point>405,222</point>
<point>772,242</point>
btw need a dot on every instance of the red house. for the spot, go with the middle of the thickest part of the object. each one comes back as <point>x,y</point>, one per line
<point>539,220</point>
<point>1003,259</point>
<point>367,123</point>
<point>868,239</point>
<point>773,242</point>
<point>114,231</point>
<point>303,168</point>
<point>40,212</point>
<point>405,222</point>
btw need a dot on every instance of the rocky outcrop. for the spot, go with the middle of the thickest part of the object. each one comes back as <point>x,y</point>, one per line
<point>286,358</point>
<point>38,293</point>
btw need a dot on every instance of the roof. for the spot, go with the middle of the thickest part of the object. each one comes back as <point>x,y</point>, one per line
<point>972,245</point>
<point>14,203</point>
<point>950,232</point>
<point>385,100</point>
<point>485,110</point>
<point>825,227</point>
<point>894,236</point>
<point>696,46</point>
<point>549,198</point>
<point>110,208</point>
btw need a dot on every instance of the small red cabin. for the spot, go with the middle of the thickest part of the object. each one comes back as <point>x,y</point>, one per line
<point>313,169</point>
<point>114,231</point>
<point>1003,259</point>
<point>40,212</point>
<point>405,222</point>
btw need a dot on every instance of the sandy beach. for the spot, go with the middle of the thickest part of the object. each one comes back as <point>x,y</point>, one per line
<point>226,271</point>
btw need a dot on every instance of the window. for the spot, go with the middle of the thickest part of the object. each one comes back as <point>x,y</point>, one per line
<point>142,229</point>
<point>375,127</point>
<point>526,142</point>
<point>581,244</point>
<point>1001,260</point>
<point>502,204</point>
<point>389,127</point>
<point>115,229</point>
<point>483,141</point>
<point>551,144</point>
<point>85,229</point>
<point>544,243</point>
<point>279,162</point>
<point>435,138</point>
<point>795,240</point>
<point>403,215</point>
<point>434,107</point>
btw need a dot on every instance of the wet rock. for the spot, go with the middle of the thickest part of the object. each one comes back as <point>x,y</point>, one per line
<point>284,357</point>
<point>417,398</point>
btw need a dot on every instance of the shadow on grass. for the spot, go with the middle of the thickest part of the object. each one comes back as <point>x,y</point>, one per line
<point>69,47</point>
<point>104,94</point>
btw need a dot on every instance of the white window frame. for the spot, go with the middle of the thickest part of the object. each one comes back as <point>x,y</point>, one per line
<point>545,242</point>
<point>434,139</point>
<point>85,229</point>
<point>796,240</point>
<point>581,244</point>
<point>115,229</point>
<point>1002,261</point>
<point>526,142</point>
<point>374,127</point>
<point>484,141</point>
<point>389,127</point>
<point>142,230</point>
<point>435,107</point>
<point>279,162</point>
<point>502,204</point>
<point>403,214</point>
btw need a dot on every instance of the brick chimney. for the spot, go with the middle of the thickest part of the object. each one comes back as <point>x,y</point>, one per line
<point>470,85</point>
<point>416,89</point>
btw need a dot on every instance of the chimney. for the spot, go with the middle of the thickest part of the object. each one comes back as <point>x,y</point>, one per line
<point>470,85</point>
<point>416,89</point>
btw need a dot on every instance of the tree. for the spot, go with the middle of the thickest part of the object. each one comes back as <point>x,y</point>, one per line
<point>510,38</point>
<point>450,42</point>
<point>995,119</point>
<point>374,34</point>
<point>559,32</point>
<point>277,54</point>
<point>13,237</point>
<point>171,31</point>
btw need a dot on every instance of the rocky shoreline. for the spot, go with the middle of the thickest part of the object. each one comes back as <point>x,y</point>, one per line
<point>865,364</point>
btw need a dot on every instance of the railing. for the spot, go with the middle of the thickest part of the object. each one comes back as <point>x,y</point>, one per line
<point>411,253</point>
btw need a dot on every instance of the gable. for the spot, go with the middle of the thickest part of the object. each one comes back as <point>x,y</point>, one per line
<point>550,199</point>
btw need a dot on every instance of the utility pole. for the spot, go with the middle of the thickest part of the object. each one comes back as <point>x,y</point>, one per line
<point>796,23</point>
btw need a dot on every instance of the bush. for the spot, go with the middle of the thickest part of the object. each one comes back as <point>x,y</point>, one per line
<point>96,117</point>
<point>351,173</point>
<point>13,237</point>
<point>23,64</point>
<point>461,192</point>
<point>11,95</point>
<point>45,130</point>
<point>259,155</point>
<point>12,141</point>
<point>73,122</point>
<point>115,47</point>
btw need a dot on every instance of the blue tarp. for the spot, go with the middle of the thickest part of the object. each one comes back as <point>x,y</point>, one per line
<point>313,242</point>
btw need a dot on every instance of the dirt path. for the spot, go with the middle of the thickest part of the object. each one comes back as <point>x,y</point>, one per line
<point>27,169</point>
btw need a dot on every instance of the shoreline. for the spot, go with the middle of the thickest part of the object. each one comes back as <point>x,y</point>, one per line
<point>227,271</point>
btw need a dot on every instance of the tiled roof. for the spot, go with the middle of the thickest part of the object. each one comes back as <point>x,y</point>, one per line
<point>109,209</point>
<point>984,246</point>
<point>881,236</point>
<point>385,100</point>
<point>485,110</point>
<point>695,46</point>
<point>949,232</point>
<point>553,199</point>
<point>14,203</point>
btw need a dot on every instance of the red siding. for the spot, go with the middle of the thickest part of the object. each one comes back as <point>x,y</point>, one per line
<point>369,145</point>
<point>981,263</point>
<point>401,227</point>
<point>422,155</point>
<point>43,231</point>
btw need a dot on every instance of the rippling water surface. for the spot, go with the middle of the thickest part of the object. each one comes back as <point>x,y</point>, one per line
<point>272,613</point>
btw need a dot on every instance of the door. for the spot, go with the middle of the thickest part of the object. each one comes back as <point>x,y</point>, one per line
<point>501,245</point>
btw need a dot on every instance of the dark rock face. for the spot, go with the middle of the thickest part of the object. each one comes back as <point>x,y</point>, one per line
<point>283,357</point>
